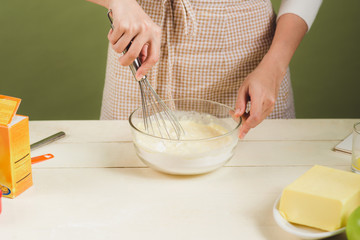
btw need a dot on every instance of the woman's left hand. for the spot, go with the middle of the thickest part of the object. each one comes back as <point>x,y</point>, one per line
<point>261,87</point>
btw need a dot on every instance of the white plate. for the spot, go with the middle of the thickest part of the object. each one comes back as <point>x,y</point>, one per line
<point>298,230</point>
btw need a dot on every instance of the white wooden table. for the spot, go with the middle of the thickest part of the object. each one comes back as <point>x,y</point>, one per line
<point>97,188</point>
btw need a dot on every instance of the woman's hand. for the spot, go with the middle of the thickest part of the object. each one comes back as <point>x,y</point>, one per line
<point>261,87</point>
<point>131,23</point>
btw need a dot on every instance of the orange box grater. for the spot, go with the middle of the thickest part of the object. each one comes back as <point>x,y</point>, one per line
<point>15,160</point>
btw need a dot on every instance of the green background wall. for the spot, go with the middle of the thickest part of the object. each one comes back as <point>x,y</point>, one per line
<point>53,55</point>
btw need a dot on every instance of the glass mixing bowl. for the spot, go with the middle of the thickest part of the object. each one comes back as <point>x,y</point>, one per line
<point>188,156</point>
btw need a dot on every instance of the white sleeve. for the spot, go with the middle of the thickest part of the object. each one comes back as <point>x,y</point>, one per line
<point>306,9</point>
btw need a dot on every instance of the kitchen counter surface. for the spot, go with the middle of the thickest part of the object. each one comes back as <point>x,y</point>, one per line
<point>97,188</point>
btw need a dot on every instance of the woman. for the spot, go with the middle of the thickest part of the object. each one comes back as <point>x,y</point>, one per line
<point>229,51</point>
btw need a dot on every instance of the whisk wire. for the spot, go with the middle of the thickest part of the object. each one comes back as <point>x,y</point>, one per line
<point>156,110</point>
<point>172,117</point>
<point>169,114</point>
<point>144,108</point>
<point>160,111</point>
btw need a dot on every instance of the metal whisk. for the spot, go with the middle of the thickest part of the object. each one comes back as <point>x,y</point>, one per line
<point>158,119</point>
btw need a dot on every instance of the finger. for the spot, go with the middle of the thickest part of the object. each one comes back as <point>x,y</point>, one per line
<point>232,114</point>
<point>254,118</point>
<point>109,33</point>
<point>134,51</point>
<point>123,42</point>
<point>241,101</point>
<point>153,55</point>
<point>115,34</point>
<point>244,128</point>
<point>144,53</point>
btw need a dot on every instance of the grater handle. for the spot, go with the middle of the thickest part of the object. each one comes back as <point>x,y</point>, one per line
<point>47,140</point>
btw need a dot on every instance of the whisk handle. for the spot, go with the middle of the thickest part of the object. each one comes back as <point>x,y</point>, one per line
<point>136,64</point>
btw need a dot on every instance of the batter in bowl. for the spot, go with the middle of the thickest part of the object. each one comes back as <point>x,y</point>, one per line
<point>203,146</point>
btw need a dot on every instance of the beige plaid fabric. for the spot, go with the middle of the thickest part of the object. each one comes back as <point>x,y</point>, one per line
<point>208,48</point>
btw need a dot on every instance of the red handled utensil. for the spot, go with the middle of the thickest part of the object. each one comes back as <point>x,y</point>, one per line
<point>43,142</point>
<point>41,158</point>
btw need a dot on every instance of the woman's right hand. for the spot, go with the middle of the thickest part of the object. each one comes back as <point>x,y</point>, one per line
<point>131,23</point>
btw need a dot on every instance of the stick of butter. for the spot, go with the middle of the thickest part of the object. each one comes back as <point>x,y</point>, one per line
<point>322,198</point>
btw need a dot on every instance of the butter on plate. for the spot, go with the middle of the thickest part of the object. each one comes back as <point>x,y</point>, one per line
<point>321,198</point>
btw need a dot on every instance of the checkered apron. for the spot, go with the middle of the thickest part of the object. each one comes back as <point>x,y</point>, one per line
<point>207,50</point>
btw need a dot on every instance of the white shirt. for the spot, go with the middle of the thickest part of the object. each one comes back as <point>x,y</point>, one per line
<point>306,9</point>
